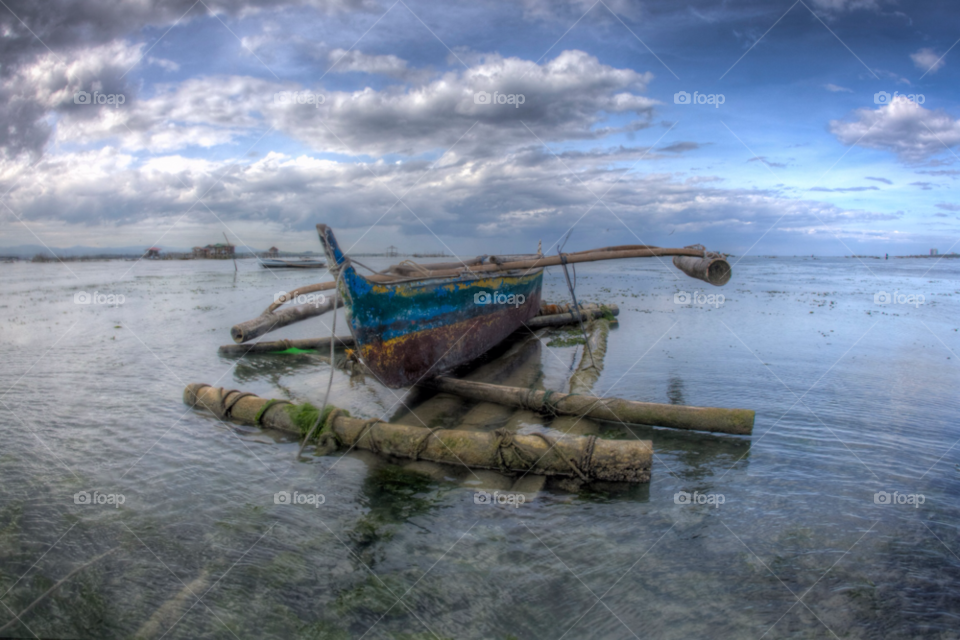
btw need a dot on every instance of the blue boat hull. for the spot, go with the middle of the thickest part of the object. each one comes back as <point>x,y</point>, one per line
<point>406,332</point>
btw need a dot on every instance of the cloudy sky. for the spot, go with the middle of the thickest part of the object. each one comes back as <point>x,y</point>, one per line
<point>753,127</point>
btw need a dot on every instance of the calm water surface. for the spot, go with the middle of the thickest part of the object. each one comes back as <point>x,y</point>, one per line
<point>853,398</point>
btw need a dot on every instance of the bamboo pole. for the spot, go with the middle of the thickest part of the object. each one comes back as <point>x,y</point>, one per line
<point>567,456</point>
<point>718,420</point>
<point>712,268</point>
<point>590,368</point>
<point>169,612</point>
<point>583,379</point>
<point>535,263</point>
<point>270,321</point>
<point>274,346</point>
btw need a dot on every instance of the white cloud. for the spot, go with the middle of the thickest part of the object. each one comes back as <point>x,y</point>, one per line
<point>901,127</point>
<point>516,199</point>
<point>343,61</point>
<point>571,97</point>
<point>927,61</point>
<point>836,88</point>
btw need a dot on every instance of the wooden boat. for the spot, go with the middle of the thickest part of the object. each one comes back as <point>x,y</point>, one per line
<point>406,331</point>
<point>413,320</point>
<point>305,263</point>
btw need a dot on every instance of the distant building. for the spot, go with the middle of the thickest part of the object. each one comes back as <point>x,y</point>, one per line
<point>934,252</point>
<point>152,253</point>
<point>217,251</point>
<point>391,251</point>
<point>273,252</point>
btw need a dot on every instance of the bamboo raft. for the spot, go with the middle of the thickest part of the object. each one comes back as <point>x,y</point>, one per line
<point>585,458</point>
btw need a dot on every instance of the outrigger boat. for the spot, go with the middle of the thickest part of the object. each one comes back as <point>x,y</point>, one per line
<point>304,263</point>
<point>413,321</point>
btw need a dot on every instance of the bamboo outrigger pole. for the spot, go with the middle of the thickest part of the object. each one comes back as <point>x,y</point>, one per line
<point>718,420</point>
<point>705,265</point>
<point>269,321</point>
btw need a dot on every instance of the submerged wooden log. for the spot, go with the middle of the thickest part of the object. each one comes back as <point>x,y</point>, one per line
<point>591,362</point>
<point>276,346</point>
<point>583,379</point>
<point>171,611</point>
<point>270,321</point>
<point>734,421</point>
<point>443,408</point>
<point>487,416</point>
<point>567,456</point>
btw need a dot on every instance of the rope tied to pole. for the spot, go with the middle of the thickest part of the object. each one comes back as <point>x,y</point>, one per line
<point>258,419</point>
<point>327,440</point>
<point>506,441</point>
<point>228,406</point>
<point>422,445</point>
<point>367,430</point>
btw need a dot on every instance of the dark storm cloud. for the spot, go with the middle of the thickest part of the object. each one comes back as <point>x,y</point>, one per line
<point>50,36</point>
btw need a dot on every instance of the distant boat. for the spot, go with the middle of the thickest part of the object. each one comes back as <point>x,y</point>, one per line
<point>305,263</point>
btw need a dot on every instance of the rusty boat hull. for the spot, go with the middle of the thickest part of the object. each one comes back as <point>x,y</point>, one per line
<point>406,332</point>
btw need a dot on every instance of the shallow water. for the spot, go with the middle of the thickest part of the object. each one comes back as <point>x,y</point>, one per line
<point>852,398</point>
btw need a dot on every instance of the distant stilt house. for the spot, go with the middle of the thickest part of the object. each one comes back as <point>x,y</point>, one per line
<point>153,253</point>
<point>217,251</point>
<point>391,252</point>
<point>273,252</point>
